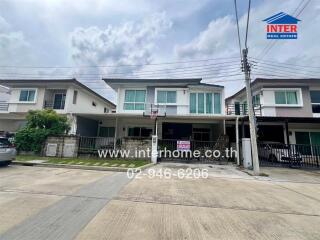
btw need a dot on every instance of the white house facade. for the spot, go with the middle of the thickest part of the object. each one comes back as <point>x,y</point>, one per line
<point>67,97</point>
<point>287,110</point>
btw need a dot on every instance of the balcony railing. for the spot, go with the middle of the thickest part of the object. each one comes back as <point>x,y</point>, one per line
<point>242,109</point>
<point>54,105</point>
<point>4,106</point>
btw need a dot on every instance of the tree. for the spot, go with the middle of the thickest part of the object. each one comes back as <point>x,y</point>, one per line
<point>40,124</point>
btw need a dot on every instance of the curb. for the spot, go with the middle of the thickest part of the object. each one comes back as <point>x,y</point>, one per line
<point>96,168</point>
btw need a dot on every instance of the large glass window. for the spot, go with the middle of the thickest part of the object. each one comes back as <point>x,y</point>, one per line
<point>193,103</point>
<point>205,103</point>
<point>217,103</point>
<point>140,132</point>
<point>134,99</point>
<point>286,97</point>
<point>166,97</point>
<point>315,101</point>
<point>27,95</point>
<point>106,132</point>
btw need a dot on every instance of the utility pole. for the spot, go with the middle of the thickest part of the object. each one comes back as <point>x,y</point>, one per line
<point>253,133</point>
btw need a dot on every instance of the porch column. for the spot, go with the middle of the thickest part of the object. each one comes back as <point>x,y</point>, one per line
<point>237,140</point>
<point>115,134</point>
<point>224,127</point>
<point>287,131</point>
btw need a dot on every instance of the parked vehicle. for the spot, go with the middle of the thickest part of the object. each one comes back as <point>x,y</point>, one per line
<point>279,152</point>
<point>8,151</point>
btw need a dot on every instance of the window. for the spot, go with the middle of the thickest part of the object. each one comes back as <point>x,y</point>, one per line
<point>106,132</point>
<point>205,103</point>
<point>166,96</point>
<point>315,101</point>
<point>140,132</point>
<point>134,99</point>
<point>286,97</point>
<point>59,100</point>
<point>75,96</point>
<point>256,100</point>
<point>27,95</point>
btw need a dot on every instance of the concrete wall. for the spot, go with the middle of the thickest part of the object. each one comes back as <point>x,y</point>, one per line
<point>61,146</point>
<point>84,103</point>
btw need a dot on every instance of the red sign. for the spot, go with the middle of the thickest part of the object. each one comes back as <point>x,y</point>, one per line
<point>183,145</point>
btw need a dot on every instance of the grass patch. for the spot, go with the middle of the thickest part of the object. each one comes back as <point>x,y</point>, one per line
<point>125,163</point>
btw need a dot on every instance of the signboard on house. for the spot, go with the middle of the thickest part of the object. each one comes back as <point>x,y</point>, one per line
<point>183,145</point>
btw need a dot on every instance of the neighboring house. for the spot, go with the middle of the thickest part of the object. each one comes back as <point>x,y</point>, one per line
<point>67,97</point>
<point>187,109</point>
<point>287,110</point>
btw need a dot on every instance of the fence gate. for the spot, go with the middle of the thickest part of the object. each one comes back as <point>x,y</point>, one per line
<point>289,155</point>
<point>173,150</point>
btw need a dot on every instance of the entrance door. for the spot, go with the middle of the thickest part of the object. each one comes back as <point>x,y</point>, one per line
<point>237,108</point>
<point>59,100</point>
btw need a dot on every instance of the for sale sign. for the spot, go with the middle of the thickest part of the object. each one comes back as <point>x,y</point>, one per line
<point>183,145</point>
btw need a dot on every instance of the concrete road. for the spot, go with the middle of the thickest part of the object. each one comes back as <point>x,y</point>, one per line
<point>48,203</point>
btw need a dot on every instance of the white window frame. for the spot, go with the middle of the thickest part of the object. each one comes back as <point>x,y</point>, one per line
<point>166,90</point>
<point>299,97</point>
<point>28,89</point>
<point>315,114</point>
<point>124,98</point>
<point>205,103</point>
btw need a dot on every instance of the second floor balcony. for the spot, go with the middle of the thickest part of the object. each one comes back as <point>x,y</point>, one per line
<point>4,106</point>
<point>55,99</point>
<point>242,109</point>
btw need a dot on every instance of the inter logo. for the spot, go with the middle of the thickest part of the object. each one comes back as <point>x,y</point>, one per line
<point>282,26</point>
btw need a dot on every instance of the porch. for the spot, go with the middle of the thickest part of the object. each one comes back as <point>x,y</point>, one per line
<point>127,131</point>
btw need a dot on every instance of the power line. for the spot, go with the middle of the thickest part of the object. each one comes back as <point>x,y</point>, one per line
<point>258,61</point>
<point>303,8</point>
<point>247,28</point>
<point>238,30</point>
<point>124,65</point>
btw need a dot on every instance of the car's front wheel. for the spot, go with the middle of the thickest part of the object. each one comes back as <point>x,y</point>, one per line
<point>4,163</point>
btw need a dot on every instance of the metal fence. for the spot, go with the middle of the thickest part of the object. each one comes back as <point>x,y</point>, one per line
<point>169,151</point>
<point>91,145</point>
<point>242,109</point>
<point>289,155</point>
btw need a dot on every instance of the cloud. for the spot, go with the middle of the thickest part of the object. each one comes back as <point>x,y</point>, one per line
<point>14,48</point>
<point>219,39</point>
<point>129,43</point>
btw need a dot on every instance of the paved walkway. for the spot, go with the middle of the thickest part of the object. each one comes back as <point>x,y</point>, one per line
<point>66,218</point>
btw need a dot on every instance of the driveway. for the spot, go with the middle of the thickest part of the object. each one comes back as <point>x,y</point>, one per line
<point>49,203</point>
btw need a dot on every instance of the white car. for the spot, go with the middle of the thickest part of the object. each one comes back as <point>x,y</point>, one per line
<point>8,151</point>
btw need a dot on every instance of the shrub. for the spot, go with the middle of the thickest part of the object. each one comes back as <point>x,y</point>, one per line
<point>40,124</point>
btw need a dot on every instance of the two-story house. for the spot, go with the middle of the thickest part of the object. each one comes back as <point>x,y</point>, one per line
<point>186,109</point>
<point>287,110</point>
<point>67,97</point>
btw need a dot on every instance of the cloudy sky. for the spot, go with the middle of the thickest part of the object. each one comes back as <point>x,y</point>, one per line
<point>65,38</point>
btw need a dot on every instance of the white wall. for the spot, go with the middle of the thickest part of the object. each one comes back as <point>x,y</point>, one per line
<point>182,103</point>
<point>83,104</point>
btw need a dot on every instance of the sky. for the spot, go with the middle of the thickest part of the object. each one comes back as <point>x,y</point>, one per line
<point>196,38</point>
